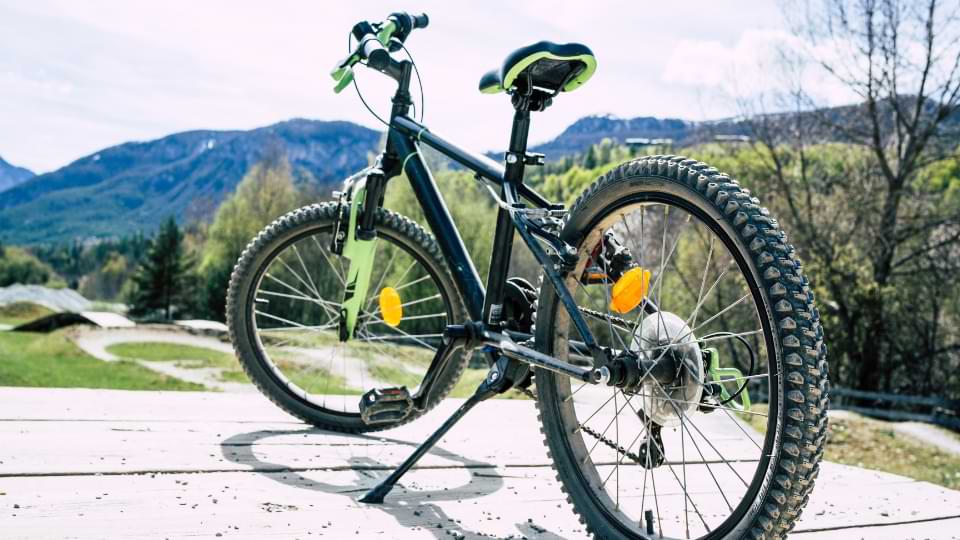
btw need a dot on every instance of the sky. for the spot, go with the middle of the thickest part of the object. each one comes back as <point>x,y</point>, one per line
<point>78,76</point>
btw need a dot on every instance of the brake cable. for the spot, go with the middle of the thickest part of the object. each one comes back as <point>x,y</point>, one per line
<point>416,71</point>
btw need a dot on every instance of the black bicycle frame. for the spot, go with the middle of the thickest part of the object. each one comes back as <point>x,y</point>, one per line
<point>484,304</point>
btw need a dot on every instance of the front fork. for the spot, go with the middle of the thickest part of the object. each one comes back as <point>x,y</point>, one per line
<point>357,241</point>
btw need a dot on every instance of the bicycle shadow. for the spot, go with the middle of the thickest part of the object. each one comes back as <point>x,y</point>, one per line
<point>426,515</point>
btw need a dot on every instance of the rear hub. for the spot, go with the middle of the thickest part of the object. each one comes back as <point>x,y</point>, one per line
<point>664,367</point>
<point>671,364</point>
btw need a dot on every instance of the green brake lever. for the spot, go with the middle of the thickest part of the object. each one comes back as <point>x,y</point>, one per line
<point>343,72</point>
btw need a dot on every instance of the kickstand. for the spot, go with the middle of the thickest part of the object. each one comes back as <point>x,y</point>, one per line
<point>493,384</point>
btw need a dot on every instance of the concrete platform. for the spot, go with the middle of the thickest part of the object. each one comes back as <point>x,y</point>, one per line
<point>115,464</point>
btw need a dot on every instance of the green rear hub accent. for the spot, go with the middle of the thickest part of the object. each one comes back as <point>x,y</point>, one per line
<point>724,376</point>
<point>573,84</point>
<point>361,254</point>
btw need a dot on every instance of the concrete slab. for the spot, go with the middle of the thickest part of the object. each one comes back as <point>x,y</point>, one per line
<point>115,464</point>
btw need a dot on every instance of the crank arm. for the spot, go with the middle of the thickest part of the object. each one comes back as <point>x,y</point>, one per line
<point>440,360</point>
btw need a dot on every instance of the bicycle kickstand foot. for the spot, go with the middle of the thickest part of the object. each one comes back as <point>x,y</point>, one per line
<point>491,386</point>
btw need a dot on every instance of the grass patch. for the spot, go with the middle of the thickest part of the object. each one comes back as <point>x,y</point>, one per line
<point>160,351</point>
<point>18,313</point>
<point>53,361</point>
<point>185,356</point>
<point>234,376</point>
<point>874,444</point>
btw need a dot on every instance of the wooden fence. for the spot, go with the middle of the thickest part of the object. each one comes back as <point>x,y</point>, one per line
<point>934,410</point>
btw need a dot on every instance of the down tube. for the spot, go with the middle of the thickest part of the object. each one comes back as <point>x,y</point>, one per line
<point>464,272</point>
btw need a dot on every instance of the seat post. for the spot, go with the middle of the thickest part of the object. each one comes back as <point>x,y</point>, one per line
<point>503,234</point>
<point>513,172</point>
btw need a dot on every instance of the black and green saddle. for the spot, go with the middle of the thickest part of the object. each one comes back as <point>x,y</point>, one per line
<point>546,65</point>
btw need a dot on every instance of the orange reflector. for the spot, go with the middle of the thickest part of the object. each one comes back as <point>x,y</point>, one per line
<point>390,306</point>
<point>629,290</point>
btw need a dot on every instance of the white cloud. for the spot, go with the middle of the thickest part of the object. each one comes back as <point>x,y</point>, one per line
<point>77,76</point>
<point>753,65</point>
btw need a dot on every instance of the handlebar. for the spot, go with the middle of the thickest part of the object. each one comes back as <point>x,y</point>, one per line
<point>375,42</point>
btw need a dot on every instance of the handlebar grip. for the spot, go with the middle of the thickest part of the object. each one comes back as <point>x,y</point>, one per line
<point>377,57</point>
<point>421,20</point>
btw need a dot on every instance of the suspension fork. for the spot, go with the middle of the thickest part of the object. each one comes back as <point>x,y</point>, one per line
<point>358,243</point>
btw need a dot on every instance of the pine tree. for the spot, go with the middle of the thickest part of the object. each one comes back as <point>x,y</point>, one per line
<point>590,160</point>
<point>162,281</point>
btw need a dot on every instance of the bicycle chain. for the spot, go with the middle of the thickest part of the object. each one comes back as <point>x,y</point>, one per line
<point>611,318</point>
<point>633,457</point>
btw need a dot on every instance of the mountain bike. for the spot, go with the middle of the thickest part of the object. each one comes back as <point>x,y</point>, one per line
<point>671,344</point>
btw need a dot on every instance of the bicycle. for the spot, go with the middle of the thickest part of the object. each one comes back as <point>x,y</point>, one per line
<point>661,271</point>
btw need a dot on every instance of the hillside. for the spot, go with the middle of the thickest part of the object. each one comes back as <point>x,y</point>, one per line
<point>592,129</point>
<point>135,185</point>
<point>11,175</point>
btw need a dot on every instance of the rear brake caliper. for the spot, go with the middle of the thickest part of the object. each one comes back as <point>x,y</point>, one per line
<point>612,258</point>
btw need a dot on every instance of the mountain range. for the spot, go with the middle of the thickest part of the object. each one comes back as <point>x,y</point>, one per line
<point>11,175</point>
<point>134,186</point>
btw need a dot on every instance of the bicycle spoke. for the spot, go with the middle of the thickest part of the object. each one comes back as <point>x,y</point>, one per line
<point>404,335</point>
<point>296,275</point>
<point>306,272</point>
<point>383,275</point>
<point>323,252</point>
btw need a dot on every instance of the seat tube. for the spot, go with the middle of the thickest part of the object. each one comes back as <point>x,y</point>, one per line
<point>503,235</point>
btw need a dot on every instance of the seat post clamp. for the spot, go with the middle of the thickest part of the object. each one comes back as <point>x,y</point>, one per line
<point>529,158</point>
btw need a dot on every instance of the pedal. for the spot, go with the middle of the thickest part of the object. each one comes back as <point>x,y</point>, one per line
<point>385,405</point>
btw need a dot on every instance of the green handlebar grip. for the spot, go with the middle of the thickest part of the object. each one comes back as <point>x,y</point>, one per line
<point>386,32</point>
<point>343,76</point>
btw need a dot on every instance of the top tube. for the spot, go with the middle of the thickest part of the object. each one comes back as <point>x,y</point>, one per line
<point>482,165</point>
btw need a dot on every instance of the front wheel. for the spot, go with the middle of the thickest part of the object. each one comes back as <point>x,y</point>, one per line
<point>283,312</point>
<point>684,454</point>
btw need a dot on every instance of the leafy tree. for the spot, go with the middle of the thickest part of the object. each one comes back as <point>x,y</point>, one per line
<point>162,282</point>
<point>106,283</point>
<point>18,265</point>
<point>874,213</point>
<point>265,193</point>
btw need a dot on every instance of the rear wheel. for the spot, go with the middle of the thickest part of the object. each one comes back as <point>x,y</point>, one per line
<point>725,279</point>
<point>283,313</point>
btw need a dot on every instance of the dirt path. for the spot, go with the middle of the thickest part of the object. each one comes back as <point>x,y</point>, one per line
<point>932,435</point>
<point>95,341</point>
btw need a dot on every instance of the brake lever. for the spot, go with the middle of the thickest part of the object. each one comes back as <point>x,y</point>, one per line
<point>342,72</point>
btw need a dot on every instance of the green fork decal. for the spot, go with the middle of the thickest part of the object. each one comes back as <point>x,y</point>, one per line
<point>361,254</point>
<point>721,375</point>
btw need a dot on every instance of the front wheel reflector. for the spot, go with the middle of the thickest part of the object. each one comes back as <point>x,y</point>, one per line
<point>390,306</point>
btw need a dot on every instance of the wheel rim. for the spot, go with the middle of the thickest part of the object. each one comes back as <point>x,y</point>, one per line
<point>714,468</point>
<point>293,316</point>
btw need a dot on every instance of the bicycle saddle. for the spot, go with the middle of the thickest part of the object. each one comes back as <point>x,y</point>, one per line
<point>550,66</point>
